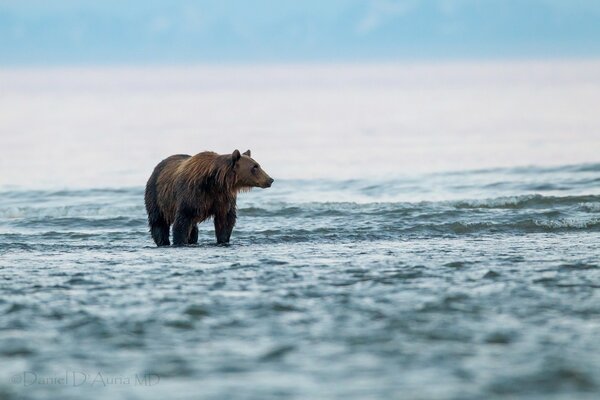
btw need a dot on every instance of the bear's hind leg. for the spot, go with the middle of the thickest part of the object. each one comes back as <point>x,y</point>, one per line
<point>193,239</point>
<point>160,233</point>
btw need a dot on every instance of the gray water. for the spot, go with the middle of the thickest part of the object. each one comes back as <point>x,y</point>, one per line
<point>466,285</point>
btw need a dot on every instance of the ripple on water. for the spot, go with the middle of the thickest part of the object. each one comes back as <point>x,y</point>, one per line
<point>489,291</point>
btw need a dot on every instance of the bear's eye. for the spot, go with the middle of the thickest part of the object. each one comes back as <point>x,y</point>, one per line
<point>254,169</point>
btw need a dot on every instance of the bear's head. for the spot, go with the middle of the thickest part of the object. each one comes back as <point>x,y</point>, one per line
<point>248,172</point>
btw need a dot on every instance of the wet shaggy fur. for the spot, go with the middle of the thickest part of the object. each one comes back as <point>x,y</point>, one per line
<point>185,190</point>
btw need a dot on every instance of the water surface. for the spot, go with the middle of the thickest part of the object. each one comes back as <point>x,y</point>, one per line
<point>457,285</point>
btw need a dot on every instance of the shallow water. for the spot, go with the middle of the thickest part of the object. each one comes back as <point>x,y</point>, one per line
<point>461,285</point>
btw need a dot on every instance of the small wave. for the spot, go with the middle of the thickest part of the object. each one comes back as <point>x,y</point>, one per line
<point>569,223</point>
<point>528,201</point>
<point>284,210</point>
<point>70,193</point>
<point>424,209</point>
<point>518,226</point>
<point>526,170</point>
<point>78,222</point>
<point>68,211</point>
<point>578,266</point>
<point>591,167</point>
<point>591,207</point>
<point>416,229</point>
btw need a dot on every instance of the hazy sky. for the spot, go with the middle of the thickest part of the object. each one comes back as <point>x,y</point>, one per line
<point>182,31</point>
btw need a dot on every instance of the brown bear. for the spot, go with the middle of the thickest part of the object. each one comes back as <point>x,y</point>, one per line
<point>185,190</point>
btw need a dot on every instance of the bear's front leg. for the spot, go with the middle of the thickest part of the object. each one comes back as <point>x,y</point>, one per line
<point>224,225</point>
<point>231,217</point>
<point>182,228</point>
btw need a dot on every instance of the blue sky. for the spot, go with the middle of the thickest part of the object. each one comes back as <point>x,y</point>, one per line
<point>184,31</point>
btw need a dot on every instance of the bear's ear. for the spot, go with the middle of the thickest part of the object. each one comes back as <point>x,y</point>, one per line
<point>247,153</point>
<point>235,156</point>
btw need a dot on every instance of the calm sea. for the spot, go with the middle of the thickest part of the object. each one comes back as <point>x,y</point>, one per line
<point>432,233</point>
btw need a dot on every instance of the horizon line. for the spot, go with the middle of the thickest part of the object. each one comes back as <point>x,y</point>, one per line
<point>305,62</point>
